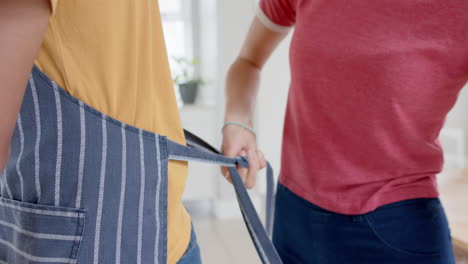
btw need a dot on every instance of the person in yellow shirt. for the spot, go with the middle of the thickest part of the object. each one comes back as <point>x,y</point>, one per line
<point>109,57</point>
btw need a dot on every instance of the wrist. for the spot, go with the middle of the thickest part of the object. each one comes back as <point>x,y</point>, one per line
<point>240,117</point>
<point>240,125</point>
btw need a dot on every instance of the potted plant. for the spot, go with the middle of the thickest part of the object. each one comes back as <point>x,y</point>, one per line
<point>186,79</point>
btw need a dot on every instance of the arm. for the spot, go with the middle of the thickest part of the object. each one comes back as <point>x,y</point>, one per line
<point>22,26</point>
<point>241,92</point>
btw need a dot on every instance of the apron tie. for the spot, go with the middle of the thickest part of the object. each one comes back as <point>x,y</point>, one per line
<point>198,150</point>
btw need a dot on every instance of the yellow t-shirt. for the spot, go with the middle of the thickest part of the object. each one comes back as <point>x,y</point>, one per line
<point>111,55</point>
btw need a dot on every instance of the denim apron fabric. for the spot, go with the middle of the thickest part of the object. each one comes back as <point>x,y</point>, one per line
<point>82,187</point>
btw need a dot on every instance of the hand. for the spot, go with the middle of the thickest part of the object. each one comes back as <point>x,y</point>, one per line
<point>238,141</point>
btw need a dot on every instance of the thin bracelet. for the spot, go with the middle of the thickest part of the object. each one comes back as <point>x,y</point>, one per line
<point>238,124</point>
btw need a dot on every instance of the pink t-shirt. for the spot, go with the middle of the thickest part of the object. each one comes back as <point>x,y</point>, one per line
<point>371,85</point>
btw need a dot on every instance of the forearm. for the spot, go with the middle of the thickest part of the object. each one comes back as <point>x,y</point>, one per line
<point>22,26</point>
<point>241,91</point>
<point>242,86</point>
<point>244,75</point>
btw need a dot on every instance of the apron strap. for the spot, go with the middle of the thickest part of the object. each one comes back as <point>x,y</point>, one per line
<point>198,150</point>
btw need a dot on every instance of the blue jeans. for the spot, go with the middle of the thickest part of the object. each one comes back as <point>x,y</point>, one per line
<point>192,254</point>
<point>409,232</point>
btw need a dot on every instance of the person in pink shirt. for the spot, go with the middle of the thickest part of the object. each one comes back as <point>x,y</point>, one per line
<point>371,85</point>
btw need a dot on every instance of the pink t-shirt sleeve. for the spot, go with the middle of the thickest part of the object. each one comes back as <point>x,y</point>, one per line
<point>277,15</point>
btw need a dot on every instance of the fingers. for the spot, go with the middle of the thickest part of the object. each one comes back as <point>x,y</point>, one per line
<point>261,159</point>
<point>238,142</point>
<point>248,175</point>
<point>254,166</point>
<point>229,150</point>
<point>225,172</point>
<point>243,171</point>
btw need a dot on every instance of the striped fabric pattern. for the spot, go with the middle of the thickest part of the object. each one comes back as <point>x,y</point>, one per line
<point>71,164</point>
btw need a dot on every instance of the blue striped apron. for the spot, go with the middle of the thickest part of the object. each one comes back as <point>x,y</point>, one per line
<point>82,187</point>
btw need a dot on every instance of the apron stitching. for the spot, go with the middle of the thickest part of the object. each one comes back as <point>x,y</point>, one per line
<point>41,211</point>
<point>142,199</point>
<point>78,241</point>
<point>9,194</point>
<point>38,136</point>
<point>181,158</point>
<point>164,193</point>
<point>82,157</point>
<point>97,235</point>
<point>58,165</point>
<point>18,169</point>
<point>36,258</point>
<point>2,176</point>
<point>48,236</point>
<point>158,186</point>
<point>122,195</point>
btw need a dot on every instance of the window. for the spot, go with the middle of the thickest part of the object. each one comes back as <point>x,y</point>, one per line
<point>182,25</point>
<point>178,26</point>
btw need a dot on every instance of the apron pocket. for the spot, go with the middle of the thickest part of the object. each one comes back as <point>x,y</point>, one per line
<point>31,233</point>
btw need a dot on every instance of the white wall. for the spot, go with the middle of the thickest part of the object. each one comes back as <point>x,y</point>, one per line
<point>458,117</point>
<point>271,106</point>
